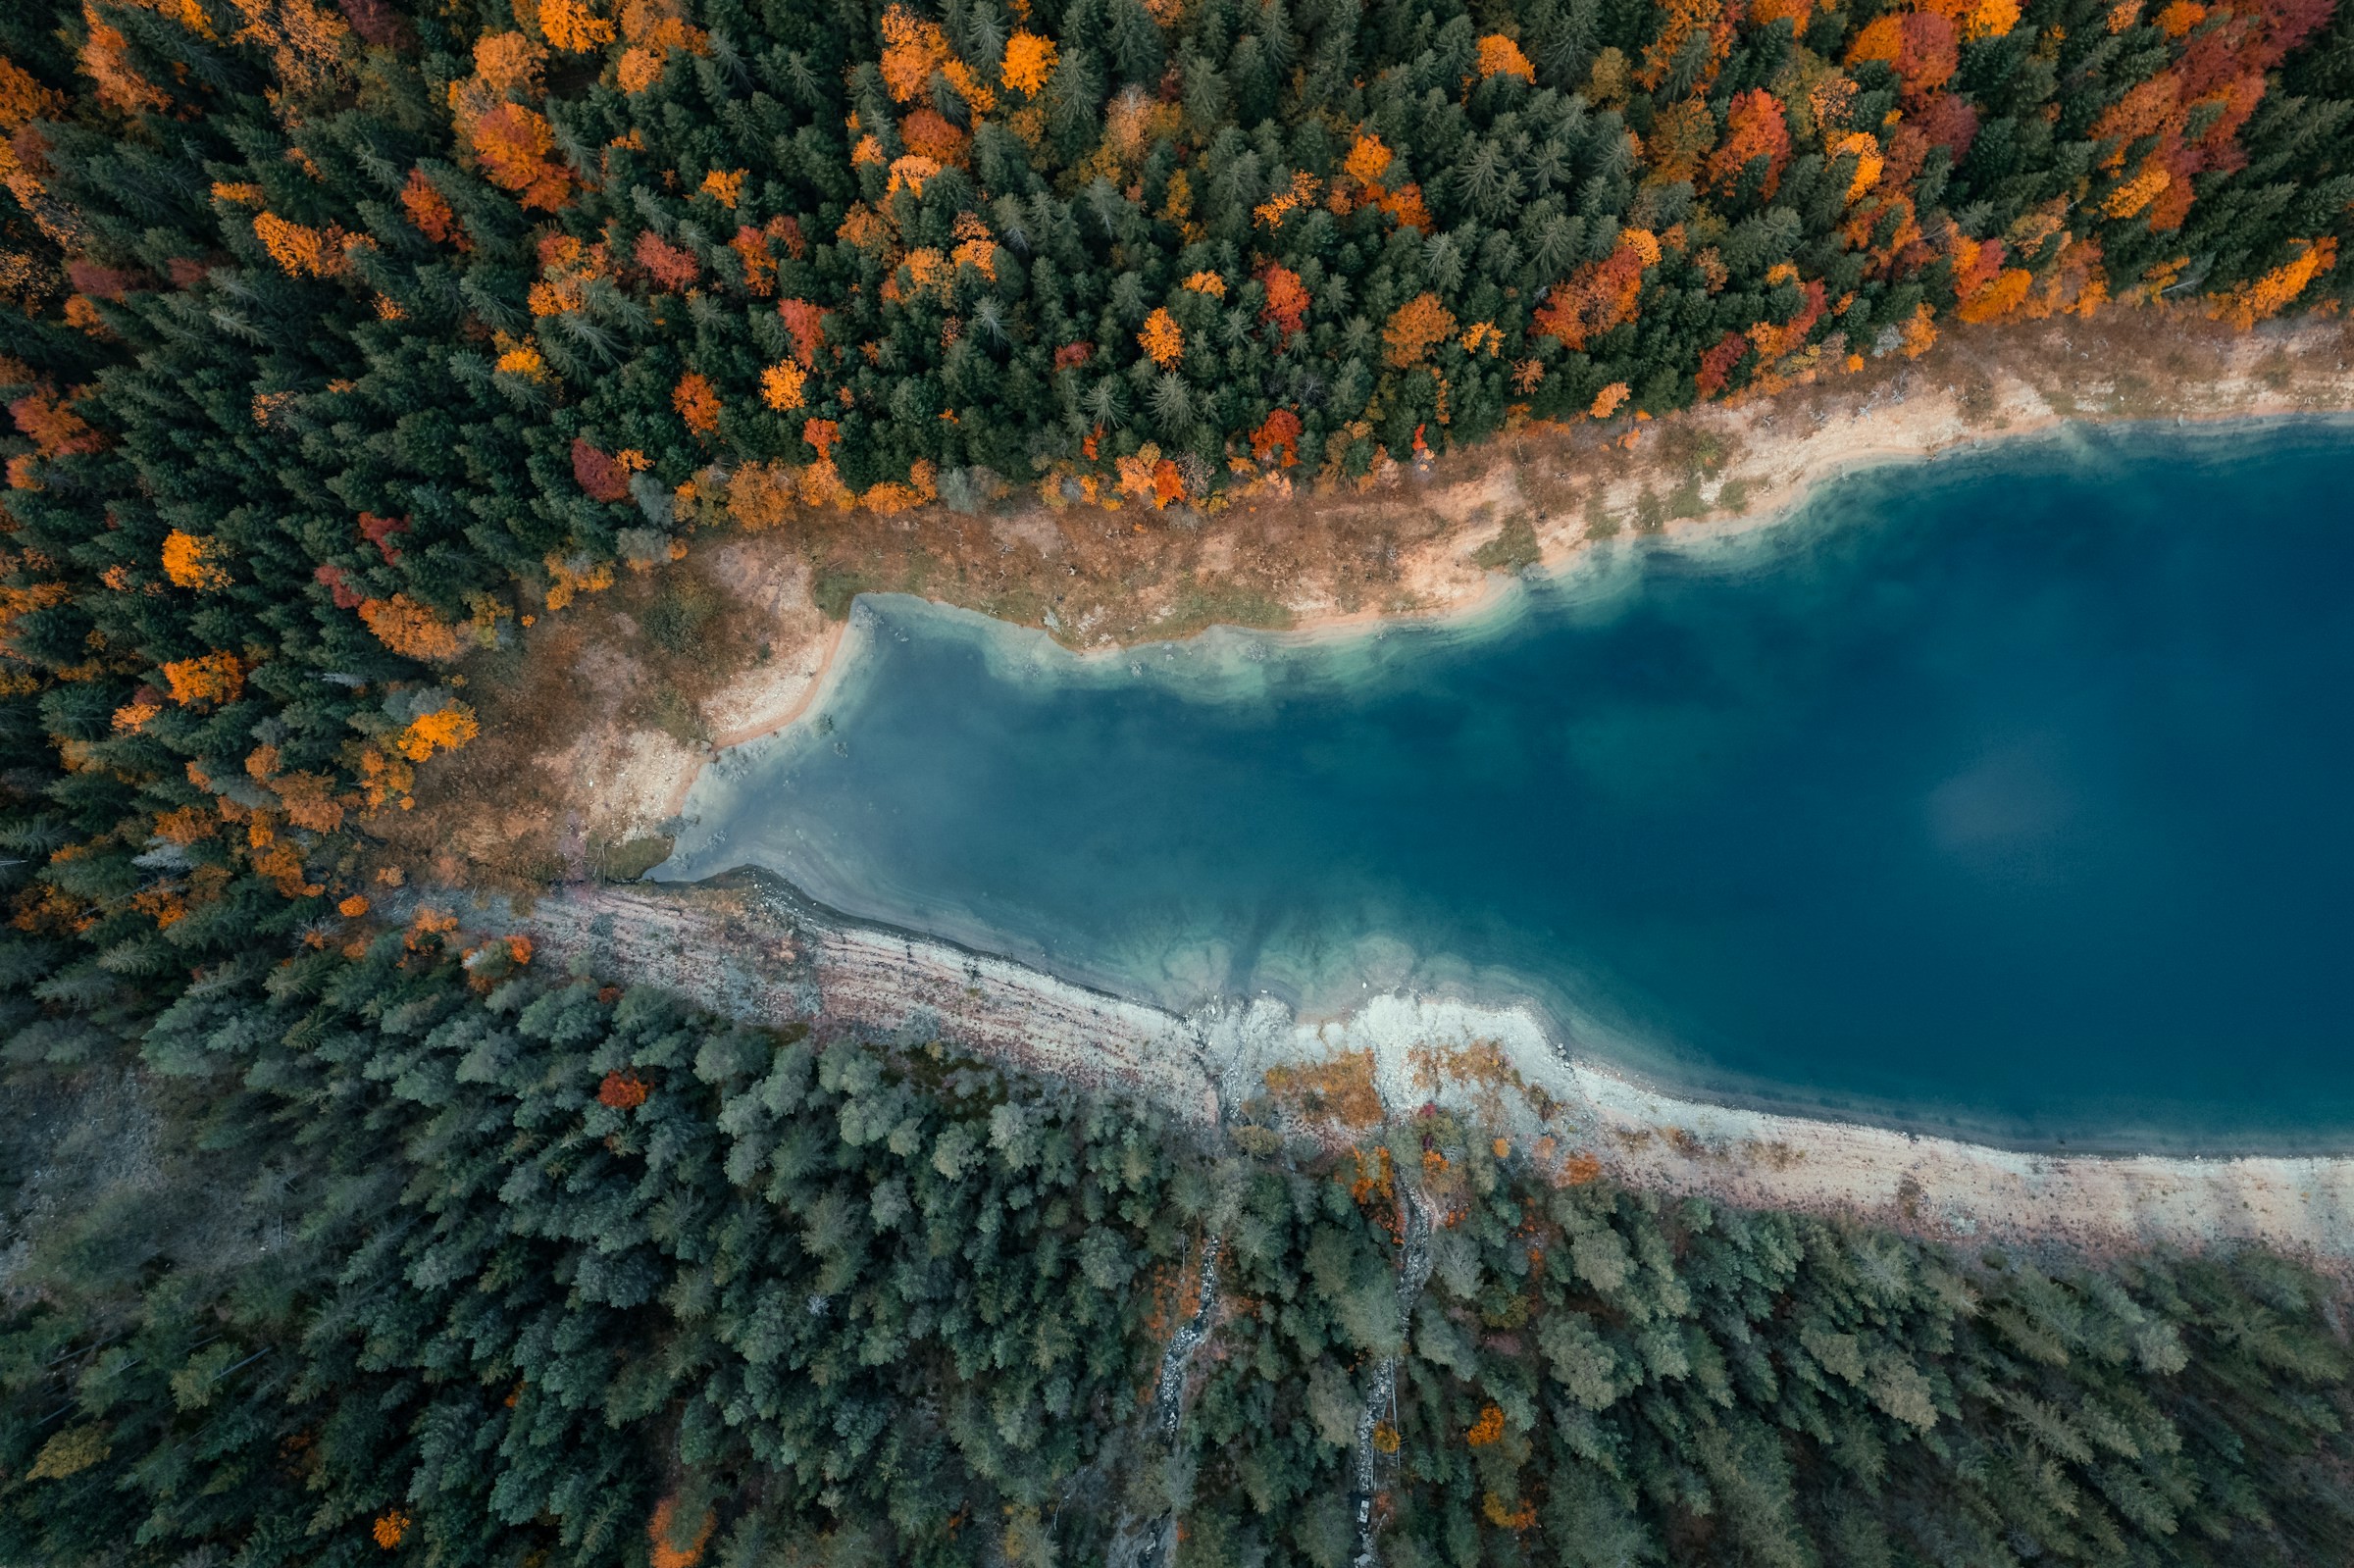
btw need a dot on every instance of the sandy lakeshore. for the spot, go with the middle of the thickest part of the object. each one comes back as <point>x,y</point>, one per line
<point>1780,451</point>
<point>594,735</point>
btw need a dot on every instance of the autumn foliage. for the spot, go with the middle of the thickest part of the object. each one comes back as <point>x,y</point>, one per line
<point>300,251</point>
<point>600,476</point>
<point>670,1547</point>
<point>1287,299</point>
<point>192,561</point>
<point>569,26</point>
<point>1029,62</point>
<point>1600,295</point>
<point>1278,435</point>
<point>1415,328</point>
<point>1923,47</point>
<point>443,729</point>
<point>408,628</point>
<point>1500,56</point>
<point>1717,364</point>
<point>1756,127</point>
<point>455,265</point>
<point>511,143</point>
<point>807,325</point>
<point>2274,291</point>
<point>53,426</point>
<point>208,678</point>
<point>22,97</point>
<point>430,210</point>
<point>781,385</point>
<point>381,532</point>
<point>1162,339</point>
<point>761,495</point>
<point>622,1091</point>
<point>348,338</point>
<point>697,402</point>
<point>117,83</point>
<point>671,267</point>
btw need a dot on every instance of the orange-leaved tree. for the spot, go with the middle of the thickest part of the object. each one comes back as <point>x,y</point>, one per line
<point>1277,435</point>
<point>1029,62</point>
<point>511,143</point>
<point>192,561</point>
<point>1415,328</point>
<point>807,325</point>
<point>430,214</point>
<point>442,730</point>
<point>2266,296</point>
<point>569,26</point>
<point>1755,127</point>
<point>697,402</point>
<point>1287,299</point>
<point>1598,295</point>
<point>781,385</point>
<point>217,676</point>
<point>408,628</point>
<point>671,266</point>
<point>1500,56</point>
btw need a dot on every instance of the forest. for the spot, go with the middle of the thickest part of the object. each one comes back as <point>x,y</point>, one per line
<point>421,1253</point>
<point>343,343</point>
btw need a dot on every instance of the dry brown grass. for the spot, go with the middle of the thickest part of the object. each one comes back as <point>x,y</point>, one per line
<point>643,655</point>
<point>1340,1091</point>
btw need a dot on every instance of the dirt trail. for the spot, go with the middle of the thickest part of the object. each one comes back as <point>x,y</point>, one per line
<point>1381,1398</point>
<point>1152,1543</point>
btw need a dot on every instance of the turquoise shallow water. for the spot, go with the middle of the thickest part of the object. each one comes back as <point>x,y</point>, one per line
<point>2005,796</point>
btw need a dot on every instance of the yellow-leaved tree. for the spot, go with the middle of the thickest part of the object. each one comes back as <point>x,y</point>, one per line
<point>192,561</point>
<point>1162,339</point>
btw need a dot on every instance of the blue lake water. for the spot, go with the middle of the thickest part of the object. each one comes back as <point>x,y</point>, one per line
<point>2006,795</point>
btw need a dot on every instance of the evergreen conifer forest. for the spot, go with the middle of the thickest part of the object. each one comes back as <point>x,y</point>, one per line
<point>340,341</point>
<point>397,1254</point>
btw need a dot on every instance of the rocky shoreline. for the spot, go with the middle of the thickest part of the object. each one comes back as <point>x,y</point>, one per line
<point>748,946</point>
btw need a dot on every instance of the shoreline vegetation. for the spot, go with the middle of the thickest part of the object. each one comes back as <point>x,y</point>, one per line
<point>528,1269</point>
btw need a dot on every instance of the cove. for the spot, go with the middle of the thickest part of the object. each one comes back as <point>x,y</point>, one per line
<point>2003,796</point>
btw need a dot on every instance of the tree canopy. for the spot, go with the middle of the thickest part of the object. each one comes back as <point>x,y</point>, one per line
<point>338,341</point>
<point>419,1253</point>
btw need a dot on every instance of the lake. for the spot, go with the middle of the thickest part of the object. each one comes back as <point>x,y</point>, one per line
<point>2004,796</point>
